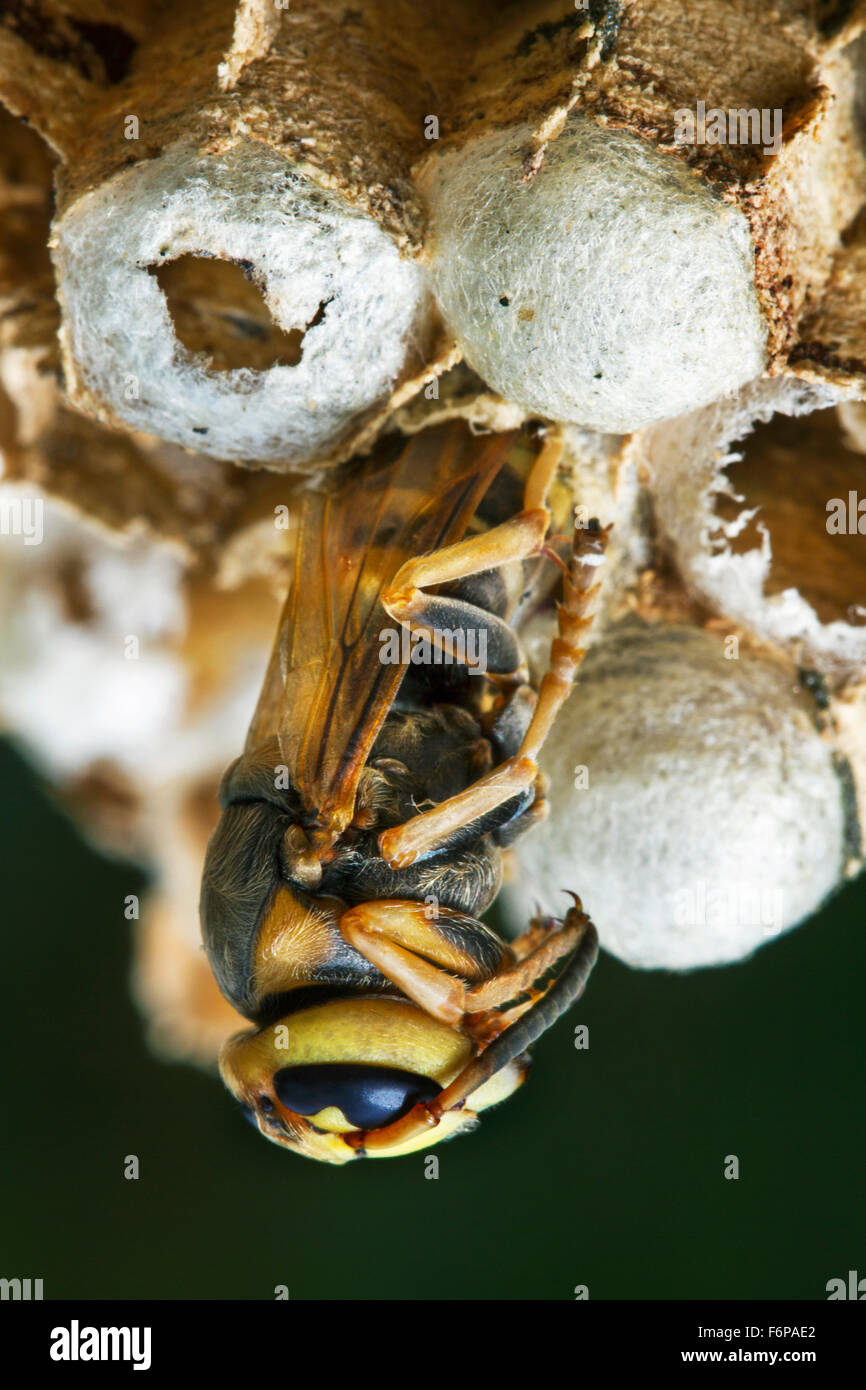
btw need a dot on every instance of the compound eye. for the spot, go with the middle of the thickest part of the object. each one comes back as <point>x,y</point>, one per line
<point>368,1096</point>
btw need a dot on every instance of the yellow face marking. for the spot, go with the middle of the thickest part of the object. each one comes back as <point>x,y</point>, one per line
<point>387,1032</point>
<point>383,1032</point>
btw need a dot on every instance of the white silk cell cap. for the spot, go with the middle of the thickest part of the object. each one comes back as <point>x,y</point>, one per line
<point>610,290</point>
<point>695,805</point>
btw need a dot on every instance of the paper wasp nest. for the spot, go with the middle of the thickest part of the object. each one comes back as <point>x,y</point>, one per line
<point>277,236</point>
<point>612,290</point>
<point>331,281</point>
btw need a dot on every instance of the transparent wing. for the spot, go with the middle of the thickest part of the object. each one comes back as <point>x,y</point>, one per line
<point>326,693</point>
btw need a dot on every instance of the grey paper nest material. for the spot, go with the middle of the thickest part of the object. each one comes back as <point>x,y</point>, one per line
<point>581,150</point>
<point>335,278</point>
<point>239,137</point>
<point>336,156</point>
<point>743,497</point>
<point>612,290</point>
<point>663,719</point>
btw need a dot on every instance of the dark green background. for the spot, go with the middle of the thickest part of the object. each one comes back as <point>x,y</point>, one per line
<point>605,1170</point>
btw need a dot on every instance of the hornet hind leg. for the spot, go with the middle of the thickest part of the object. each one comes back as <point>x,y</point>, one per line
<point>520,538</point>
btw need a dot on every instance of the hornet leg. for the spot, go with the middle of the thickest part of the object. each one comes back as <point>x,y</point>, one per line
<point>404,844</point>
